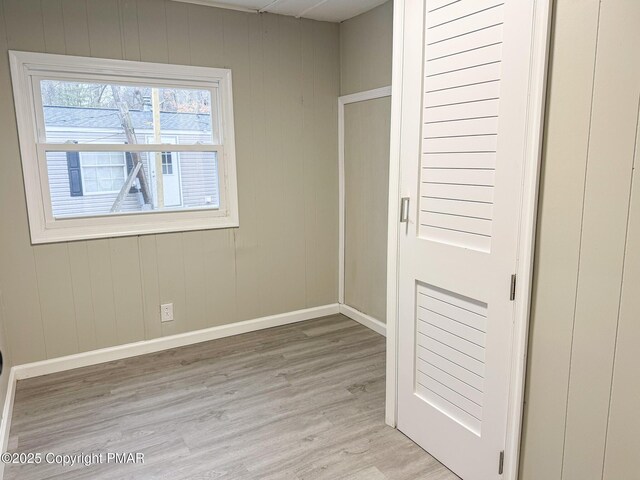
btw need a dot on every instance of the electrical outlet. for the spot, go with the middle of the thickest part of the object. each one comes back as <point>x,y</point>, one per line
<point>166,312</point>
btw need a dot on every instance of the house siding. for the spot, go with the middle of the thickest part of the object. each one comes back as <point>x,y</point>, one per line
<point>198,178</point>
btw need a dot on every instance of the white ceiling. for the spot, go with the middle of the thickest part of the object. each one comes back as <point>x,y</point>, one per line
<point>326,10</point>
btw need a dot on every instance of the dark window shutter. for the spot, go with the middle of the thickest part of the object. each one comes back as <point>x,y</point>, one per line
<point>75,174</point>
<point>133,188</point>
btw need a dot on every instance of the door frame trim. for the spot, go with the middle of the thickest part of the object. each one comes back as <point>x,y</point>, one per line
<point>393,236</point>
<point>527,230</point>
<point>343,100</point>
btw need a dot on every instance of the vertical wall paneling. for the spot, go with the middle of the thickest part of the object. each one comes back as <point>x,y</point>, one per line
<point>609,166</point>
<point>248,286</point>
<point>171,284</point>
<point>309,159</point>
<point>558,240</point>
<point>127,292</point>
<point>178,31</point>
<point>56,299</point>
<point>105,35</point>
<point>195,278</point>
<point>150,286</point>
<point>82,295</point>
<point>237,48</point>
<point>152,24</point>
<point>220,270</point>
<point>76,28</point>
<point>579,385</point>
<point>23,20</point>
<point>52,266</point>
<point>622,441</point>
<point>283,256</point>
<point>290,52</point>
<point>365,51</point>
<point>271,188</point>
<point>327,77</point>
<point>129,31</point>
<point>356,279</point>
<point>367,128</point>
<point>53,26</point>
<point>78,252</point>
<point>206,36</point>
<point>20,289</point>
<point>102,293</point>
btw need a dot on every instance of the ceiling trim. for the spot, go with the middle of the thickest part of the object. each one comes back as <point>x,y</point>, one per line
<point>272,3</point>
<point>267,7</point>
<point>226,6</point>
<point>315,5</point>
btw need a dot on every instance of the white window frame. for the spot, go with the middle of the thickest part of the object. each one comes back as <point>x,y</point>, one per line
<point>85,192</point>
<point>28,68</point>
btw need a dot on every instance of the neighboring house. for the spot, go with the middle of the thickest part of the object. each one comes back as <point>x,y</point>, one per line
<point>88,183</point>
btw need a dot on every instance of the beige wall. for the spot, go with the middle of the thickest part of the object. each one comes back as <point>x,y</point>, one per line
<point>367,127</point>
<point>583,386</point>
<point>6,357</point>
<point>66,298</point>
<point>365,50</point>
<point>365,46</point>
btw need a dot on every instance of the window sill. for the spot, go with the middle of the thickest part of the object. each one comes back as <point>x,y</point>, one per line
<point>131,225</point>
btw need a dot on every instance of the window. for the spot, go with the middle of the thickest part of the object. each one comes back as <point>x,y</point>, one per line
<point>112,148</point>
<point>102,172</point>
<point>167,163</point>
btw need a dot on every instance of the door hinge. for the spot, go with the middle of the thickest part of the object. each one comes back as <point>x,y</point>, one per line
<point>512,291</point>
<point>404,210</point>
<point>501,463</point>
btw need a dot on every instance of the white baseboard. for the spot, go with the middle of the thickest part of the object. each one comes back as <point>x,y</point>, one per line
<point>7,412</point>
<point>109,354</point>
<point>366,320</point>
<point>94,357</point>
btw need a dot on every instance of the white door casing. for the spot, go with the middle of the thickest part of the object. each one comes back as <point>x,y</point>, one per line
<point>467,79</point>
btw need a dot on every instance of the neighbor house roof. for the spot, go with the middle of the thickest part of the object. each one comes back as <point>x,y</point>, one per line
<point>80,117</point>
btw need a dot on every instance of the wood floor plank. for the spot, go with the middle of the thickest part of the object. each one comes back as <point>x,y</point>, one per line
<point>301,402</point>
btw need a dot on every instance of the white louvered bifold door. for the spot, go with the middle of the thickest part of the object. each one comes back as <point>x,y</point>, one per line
<point>464,104</point>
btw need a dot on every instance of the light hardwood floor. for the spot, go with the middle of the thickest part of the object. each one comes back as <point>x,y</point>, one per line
<point>304,401</point>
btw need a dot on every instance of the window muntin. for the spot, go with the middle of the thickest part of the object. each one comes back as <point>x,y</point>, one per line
<point>102,172</point>
<point>83,178</point>
<point>167,163</point>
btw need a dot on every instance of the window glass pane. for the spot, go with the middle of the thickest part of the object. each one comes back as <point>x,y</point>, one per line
<point>83,112</point>
<point>104,184</point>
<point>102,172</point>
<point>95,183</point>
<point>91,184</point>
<point>167,166</point>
